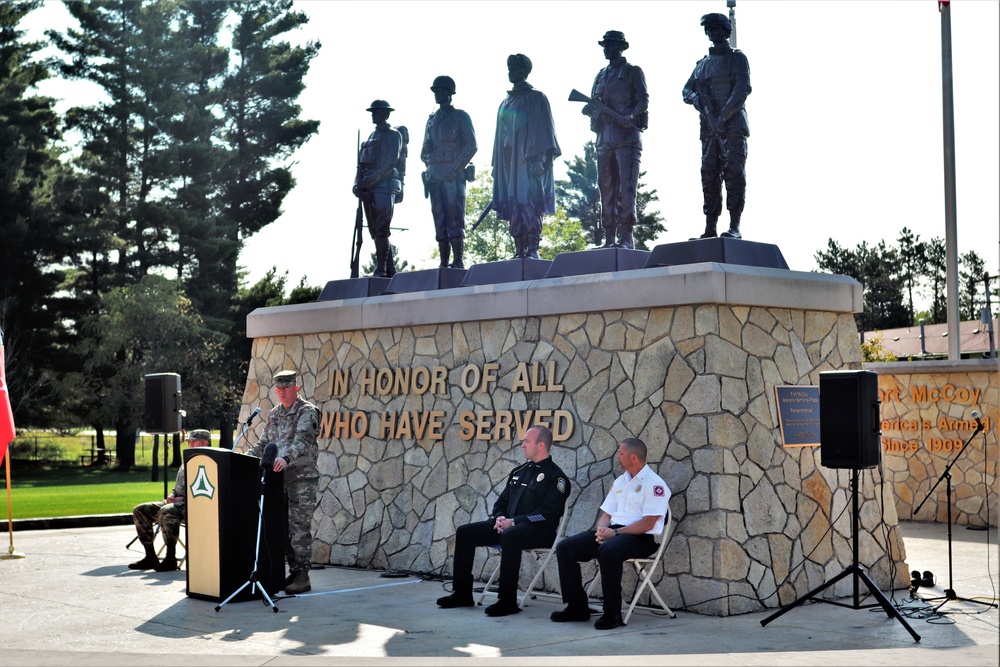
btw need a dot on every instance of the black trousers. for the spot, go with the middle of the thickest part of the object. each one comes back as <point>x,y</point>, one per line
<point>611,555</point>
<point>512,541</point>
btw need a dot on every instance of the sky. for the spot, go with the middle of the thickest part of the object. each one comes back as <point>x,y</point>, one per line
<point>846,133</point>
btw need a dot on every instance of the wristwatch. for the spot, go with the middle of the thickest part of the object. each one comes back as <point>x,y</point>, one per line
<point>616,532</point>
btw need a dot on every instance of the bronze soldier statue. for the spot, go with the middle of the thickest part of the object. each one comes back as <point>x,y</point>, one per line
<point>718,88</point>
<point>449,144</point>
<point>523,150</point>
<point>379,181</point>
<point>618,119</point>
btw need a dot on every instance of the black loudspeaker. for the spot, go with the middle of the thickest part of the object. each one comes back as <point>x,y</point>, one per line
<point>163,403</point>
<point>849,421</point>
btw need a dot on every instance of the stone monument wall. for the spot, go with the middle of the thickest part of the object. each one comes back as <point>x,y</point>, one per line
<point>424,398</point>
<point>926,421</point>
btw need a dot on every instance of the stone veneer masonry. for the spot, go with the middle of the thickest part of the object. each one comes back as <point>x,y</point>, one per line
<point>685,358</point>
<point>926,421</point>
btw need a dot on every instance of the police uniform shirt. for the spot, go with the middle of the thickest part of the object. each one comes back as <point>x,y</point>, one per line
<point>632,498</point>
<point>535,492</point>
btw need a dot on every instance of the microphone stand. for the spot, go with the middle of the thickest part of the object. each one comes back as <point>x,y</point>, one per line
<point>246,427</point>
<point>949,593</point>
<point>252,580</point>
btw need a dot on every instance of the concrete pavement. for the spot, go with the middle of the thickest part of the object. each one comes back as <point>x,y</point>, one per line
<point>73,601</point>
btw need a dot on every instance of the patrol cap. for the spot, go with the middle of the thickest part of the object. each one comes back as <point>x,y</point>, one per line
<point>519,59</point>
<point>380,104</point>
<point>614,36</point>
<point>445,83</point>
<point>709,19</point>
<point>199,434</point>
<point>284,378</point>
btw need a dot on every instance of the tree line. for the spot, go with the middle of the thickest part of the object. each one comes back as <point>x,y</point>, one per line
<point>122,220</point>
<point>892,274</point>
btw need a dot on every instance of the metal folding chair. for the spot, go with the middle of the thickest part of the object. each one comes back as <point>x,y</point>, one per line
<point>644,570</point>
<point>536,552</point>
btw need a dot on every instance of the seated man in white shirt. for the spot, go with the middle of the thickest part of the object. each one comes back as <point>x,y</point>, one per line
<point>632,515</point>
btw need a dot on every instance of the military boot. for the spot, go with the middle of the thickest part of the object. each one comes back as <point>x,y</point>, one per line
<point>300,583</point>
<point>381,252</point>
<point>626,241</point>
<point>390,261</point>
<point>169,563</point>
<point>710,230</point>
<point>518,247</point>
<point>734,227</point>
<point>609,237</point>
<point>457,248</point>
<point>444,248</point>
<point>531,246</point>
<point>149,562</point>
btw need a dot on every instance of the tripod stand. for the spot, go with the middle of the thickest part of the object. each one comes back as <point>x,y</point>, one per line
<point>252,581</point>
<point>949,593</point>
<point>854,570</point>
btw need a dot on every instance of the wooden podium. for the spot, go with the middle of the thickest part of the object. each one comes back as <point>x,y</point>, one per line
<point>223,495</point>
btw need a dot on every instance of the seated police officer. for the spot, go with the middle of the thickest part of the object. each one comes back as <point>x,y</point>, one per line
<point>525,516</point>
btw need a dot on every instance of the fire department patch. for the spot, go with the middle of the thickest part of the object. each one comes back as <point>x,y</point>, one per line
<point>658,491</point>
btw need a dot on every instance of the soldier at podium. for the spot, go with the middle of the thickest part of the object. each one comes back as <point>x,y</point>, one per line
<point>293,425</point>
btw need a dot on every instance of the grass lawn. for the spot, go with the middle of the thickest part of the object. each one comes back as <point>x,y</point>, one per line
<point>54,491</point>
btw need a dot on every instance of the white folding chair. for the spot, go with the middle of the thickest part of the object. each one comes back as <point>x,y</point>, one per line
<point>644,570</point>
<point>536,552</point>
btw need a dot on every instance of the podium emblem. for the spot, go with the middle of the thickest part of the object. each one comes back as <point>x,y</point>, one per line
<point>202,486</point>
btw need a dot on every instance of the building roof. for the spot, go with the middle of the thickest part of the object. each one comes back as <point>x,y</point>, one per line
<point>974,339</point>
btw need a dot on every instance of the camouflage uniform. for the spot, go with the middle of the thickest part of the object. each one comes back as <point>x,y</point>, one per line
<point>294,431</point>
<point>169,515</point>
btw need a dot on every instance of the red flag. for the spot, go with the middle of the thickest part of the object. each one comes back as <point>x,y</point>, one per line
<point>6,414</point>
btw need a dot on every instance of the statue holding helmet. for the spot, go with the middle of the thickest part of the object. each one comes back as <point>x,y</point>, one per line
<point>449,144</point>
<point>718,88</point>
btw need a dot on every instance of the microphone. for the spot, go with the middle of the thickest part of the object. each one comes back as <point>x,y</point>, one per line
<point>979,422</point>
<point>270,454</point>
<point>253,415</point>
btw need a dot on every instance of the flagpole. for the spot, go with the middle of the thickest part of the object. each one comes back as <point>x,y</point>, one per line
<point>11,551</point>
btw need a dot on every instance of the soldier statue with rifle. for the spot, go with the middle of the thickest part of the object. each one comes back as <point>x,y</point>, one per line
<point>718,89</point>
<point>618,114</point>
<point>379,182</point>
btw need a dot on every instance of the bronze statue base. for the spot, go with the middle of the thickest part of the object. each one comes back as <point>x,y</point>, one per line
<point>597,260</point>
<point>425,280</point>
<point>721,250</point>
<point>506,271</point>
<point>353,288</point>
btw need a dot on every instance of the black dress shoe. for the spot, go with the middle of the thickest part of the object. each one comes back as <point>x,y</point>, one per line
<point>502,609</point>
<point>606,622</point>
<point>928,579</point>
<point>456,600</point>
<point>569,614</point>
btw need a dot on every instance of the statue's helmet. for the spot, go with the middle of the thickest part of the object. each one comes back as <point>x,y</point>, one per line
<point>717,19</point>
<point>445,83</point>
<point>380,104</point>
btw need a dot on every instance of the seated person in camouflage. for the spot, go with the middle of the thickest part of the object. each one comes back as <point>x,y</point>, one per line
<point>169,513</point>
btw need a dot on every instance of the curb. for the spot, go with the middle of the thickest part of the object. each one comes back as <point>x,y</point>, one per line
<point>88,521</point>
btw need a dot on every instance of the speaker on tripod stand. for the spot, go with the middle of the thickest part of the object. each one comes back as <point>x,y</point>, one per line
<point>849,430</point>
